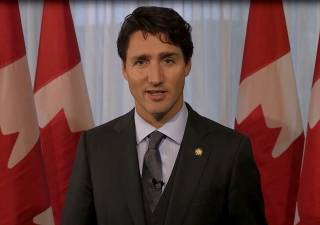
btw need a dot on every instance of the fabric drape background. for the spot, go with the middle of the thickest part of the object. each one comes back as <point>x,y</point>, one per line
<point>219,29</point>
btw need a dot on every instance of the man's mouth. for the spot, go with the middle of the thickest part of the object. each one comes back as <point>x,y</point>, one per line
<point>155,92</point>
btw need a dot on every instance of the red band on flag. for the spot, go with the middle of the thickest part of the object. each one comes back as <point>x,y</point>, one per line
<point>316,74</point>
<point>12,45</point>
<point>264,44</point>
<point>56,55</point>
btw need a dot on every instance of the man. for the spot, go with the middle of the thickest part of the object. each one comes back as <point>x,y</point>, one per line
<point>198,173</point>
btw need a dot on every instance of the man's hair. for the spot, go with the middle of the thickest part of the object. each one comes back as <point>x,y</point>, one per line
<point>165,23</point>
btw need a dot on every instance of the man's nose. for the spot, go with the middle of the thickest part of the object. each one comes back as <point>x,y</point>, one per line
<point>155,74</point>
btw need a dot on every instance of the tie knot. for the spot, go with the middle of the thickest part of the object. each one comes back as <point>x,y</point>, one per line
<point>154,139</point>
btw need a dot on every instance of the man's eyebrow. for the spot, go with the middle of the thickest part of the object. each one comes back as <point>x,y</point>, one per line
<point>167,54</point>
<point>139,57</point>
<point>146,56</point>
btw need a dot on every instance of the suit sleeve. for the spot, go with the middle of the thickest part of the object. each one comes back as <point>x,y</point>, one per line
<point>78,206</point>
<point>245,198</point>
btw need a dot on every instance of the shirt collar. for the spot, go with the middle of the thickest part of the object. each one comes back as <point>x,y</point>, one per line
<point>174,128</point>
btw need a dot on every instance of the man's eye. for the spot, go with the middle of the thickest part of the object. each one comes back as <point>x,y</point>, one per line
<point>139,62</point>
<point>168,61</point>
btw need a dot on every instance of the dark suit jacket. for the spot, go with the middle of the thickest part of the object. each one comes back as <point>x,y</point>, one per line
<point>222,186</point>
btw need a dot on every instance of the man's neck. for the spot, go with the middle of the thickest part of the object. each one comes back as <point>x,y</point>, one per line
<point>159,119</point>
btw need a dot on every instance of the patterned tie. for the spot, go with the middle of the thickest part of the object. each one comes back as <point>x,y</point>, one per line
<point>152,170</point>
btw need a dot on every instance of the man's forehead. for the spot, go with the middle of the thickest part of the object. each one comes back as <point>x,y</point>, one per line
<point>150,44</point>
<point>141,38</point>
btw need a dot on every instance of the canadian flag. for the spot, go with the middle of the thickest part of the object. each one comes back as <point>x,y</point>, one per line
<point>268,109</point>
<point>61,98</point>
<point>24,197</point>
<point>309,189</point>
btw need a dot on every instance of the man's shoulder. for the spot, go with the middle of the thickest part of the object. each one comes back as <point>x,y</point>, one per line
<point>214,127</point>
<point>112,125</point>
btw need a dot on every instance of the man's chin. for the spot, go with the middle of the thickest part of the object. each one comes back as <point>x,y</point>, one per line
<point>158,112</point>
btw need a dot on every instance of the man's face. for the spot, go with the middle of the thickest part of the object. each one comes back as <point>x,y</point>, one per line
<point>156,74</point>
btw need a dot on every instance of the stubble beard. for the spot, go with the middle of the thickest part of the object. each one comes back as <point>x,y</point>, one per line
<point>158,112</point>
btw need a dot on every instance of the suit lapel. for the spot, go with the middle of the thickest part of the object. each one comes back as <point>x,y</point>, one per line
<point>189,170</point>
<point>128,168</point>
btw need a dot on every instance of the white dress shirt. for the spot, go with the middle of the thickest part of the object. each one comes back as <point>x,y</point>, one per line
<point>169,146</point>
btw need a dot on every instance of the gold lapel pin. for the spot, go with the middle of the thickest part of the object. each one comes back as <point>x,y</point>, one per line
<point>198,151</point>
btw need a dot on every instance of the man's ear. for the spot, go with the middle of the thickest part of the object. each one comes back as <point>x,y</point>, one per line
<point>188,68</point>
<point>124,70</point>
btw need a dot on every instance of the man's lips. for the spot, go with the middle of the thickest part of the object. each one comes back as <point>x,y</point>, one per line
<point>155,92</point>
<point>156,95</point>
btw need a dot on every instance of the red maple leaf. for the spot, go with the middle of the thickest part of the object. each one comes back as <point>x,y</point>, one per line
<point>309,190</point>
<point>59,147</point>
<point>23,188</point>
<point>279,176</point>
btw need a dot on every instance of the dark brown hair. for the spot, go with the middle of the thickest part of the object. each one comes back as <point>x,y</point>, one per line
<point>156,21</point>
